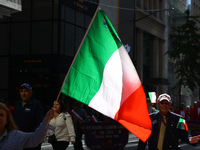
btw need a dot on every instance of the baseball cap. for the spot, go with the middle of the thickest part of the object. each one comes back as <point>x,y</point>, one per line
<point>164,97</point>
<point>26,85</point>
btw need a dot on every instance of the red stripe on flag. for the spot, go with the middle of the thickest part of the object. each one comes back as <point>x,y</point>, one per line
<point>186,126</point>
<point>133,115</point>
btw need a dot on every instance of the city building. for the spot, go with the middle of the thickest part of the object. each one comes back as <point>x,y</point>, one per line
<point>143,29</point>
<point>39,43</point>
<point>150,29</point>
<point>9,7</point>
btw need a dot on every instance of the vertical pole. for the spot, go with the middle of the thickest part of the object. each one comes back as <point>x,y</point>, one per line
<point>134,35</point>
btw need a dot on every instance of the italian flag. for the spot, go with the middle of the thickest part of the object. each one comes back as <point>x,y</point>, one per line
<point>103,77</point>
<point>182,124</point>
<point>152,97</point>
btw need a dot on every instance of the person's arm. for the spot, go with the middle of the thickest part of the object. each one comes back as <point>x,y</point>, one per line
<point>186,139</point>
<point>32,139</point>
<point>194,139</point>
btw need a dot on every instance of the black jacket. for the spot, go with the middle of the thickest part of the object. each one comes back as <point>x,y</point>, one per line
<point>172,133</point>
<point>29,117</point>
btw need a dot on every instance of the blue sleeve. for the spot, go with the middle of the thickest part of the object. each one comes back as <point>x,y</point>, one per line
<point>33,139</point>
<point>18,140</point>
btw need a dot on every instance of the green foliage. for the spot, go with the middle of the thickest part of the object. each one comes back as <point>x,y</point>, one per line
<point>185,51</point>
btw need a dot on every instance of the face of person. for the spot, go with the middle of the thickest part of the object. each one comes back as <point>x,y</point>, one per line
<point>25,94</point>
<point>3,120</point>
<point>56,106</point>
<point>164,107</point>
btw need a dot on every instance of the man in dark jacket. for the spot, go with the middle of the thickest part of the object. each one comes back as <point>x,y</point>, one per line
<point>28,112</point>
<point>79,117</point>
<point>168,125</point>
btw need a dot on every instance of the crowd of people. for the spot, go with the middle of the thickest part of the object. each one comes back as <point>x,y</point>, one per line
<point>187,112</point>
<point>27,120</point>
<point>168,128</point>
<point>27,116</point>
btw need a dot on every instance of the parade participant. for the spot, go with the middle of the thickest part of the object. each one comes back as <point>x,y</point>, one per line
<point>79,117</point>
<point>64,131</point>
<point>13,139</point>
<point>195,112</point>
<point>183,111</point>
<point>165,128</point>
<point>193,107</point>
<point>28,112</point>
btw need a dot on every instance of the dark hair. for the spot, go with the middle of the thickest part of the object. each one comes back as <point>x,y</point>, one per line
<point>63,108</point>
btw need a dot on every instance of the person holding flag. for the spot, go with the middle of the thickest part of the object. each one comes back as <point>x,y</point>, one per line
<point>64,128</point>
<point>167,128</point>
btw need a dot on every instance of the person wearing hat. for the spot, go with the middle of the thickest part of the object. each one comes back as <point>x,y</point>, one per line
<point>166,131</point>
<point>28,112</point>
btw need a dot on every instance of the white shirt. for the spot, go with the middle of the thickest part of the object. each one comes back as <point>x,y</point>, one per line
<point>64,128</point>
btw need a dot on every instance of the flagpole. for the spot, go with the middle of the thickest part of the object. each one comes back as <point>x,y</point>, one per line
<point>77,52</point>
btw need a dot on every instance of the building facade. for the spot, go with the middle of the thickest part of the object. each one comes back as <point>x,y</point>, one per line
<point>38,45</point>
<point>150,44</point>
<point>9,7</point>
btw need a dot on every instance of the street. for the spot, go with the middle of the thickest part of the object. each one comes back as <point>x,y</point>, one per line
<point>132,145</point>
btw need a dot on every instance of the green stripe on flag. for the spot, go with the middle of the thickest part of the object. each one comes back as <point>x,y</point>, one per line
<point>182,124</point>
<point>86,73</point>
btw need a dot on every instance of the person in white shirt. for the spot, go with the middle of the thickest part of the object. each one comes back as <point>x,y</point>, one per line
<point>64,131</point>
